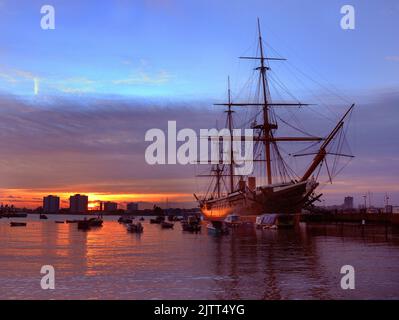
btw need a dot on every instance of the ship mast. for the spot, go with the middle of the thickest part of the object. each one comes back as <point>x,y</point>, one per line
<point>266,125</point>
<point>230,126</point>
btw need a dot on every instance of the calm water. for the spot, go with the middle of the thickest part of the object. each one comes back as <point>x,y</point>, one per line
<point>109,263</point>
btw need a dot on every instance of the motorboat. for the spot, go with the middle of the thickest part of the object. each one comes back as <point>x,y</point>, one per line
<point>276,221</point>
<point>135,227</point>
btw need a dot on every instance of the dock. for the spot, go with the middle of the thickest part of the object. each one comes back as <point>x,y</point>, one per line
<point>353,217</point>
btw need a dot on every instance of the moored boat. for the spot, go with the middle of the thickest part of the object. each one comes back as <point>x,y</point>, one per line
<point>43,217</point>
<point>167,225</point>
<point>233,221</point>
<point>157,220</point>
<point>135,227</point>
<point>276,221</point>
<point>125,220</point>
<point>18,224</point>
<point>192,224</point>
<point>217,228</point>
<point>270,185</point>
<point>83,225</point>
<point>95,222</point>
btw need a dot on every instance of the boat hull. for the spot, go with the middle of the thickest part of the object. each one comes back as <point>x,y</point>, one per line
<point>282,199</point>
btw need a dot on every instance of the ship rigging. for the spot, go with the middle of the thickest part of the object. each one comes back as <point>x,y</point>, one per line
<point>283,191</point>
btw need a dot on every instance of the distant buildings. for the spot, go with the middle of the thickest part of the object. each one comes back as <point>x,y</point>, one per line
<point>348,203</point>
<point>78,203</point>
<point>110,206</point>
<point>51,204</point>
<point>132,207</point>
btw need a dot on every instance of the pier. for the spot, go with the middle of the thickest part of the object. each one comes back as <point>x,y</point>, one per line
<point>352,217</point>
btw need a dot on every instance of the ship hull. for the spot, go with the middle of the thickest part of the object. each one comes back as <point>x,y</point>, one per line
<point>283,199</point>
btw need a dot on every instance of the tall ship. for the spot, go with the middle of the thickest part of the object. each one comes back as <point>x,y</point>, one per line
<point>277,189</point>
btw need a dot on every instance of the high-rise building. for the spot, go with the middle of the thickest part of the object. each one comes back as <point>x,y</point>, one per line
<point>51,204</point>
<point>110,206</point>
<point>78,203</point>
<point>132,207</point>
<point>348,203</point>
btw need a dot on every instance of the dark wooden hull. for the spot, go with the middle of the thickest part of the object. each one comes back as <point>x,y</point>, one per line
<point>288,199</point>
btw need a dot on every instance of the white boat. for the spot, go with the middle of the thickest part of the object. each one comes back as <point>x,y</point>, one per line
<point>275,221</point>
<point>233,220</point>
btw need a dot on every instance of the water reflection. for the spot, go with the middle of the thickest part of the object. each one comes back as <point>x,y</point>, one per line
<point>109,263</point>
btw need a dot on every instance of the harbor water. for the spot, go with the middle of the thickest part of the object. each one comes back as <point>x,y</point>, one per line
<point>110,263</point>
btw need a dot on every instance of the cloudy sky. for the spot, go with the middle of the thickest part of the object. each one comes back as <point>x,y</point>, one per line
<point>75,102</point>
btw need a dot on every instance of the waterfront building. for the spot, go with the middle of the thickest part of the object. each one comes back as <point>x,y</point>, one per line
<point>348,203</point>
<point>78,203</point>
<point>51,204</point>
<point>132,207</point>
<point>109,206</point>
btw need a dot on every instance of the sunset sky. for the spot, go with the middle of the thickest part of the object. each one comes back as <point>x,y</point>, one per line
<point>75,102</point>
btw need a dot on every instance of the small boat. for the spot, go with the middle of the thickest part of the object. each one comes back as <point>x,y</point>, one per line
<point>95,222</point>
<point>157,220</point>
<point>135,227</point>
<point>58,221</point>
<point>217,228</point>
<point>167,225</point>
<point>276,221</point>
<point>191,227</point>
<point>142,219</point>
<point>192,224</point>
<point>83,225</point>
<point>125,220</point>
<point>18,224</point>
<point>72,221</point>
<point>174,218</point>
<point>232,221</point>
<point>43,217</point>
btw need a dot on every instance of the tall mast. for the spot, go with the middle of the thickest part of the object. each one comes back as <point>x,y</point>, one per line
<point>266,125</point>
<point>230,125</point>
<point>266,128</point>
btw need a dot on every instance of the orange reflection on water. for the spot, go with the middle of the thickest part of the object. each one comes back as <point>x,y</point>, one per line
<point>103,262</point>
<point>215,214</point>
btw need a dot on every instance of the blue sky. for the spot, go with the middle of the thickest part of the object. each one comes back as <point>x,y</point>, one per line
<point>187,48</point>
